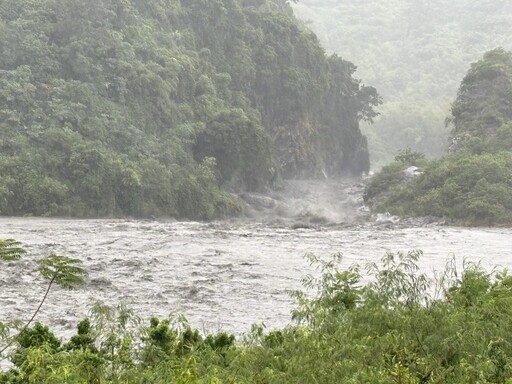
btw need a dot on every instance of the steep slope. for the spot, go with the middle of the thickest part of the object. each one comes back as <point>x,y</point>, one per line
<point>156,107</point>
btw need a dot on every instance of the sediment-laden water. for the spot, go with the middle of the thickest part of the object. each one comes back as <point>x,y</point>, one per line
<point>222,275</point>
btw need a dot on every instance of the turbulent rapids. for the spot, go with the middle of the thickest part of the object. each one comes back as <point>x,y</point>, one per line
<point>223,275</point>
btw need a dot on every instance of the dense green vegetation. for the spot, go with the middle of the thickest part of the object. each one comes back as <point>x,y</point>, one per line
<point>415,54</point>
<point>159,107</point>
<point>473,183</point>
<point>390,324</point>
<point>470,189</point>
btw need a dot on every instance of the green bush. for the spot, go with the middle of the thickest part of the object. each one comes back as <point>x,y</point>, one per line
<point>385,322</point>
<point>472,184</point>
<point>471,189</point>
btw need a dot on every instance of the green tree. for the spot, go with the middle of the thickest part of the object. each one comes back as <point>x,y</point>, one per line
<point>60,270</point>
<point>97,100</point>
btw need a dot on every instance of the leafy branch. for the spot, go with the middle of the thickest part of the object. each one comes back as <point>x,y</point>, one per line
<point>11,250</point>
<point>63,271</point>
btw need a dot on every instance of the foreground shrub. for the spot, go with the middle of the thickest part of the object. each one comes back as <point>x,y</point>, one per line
<point>385,322</point>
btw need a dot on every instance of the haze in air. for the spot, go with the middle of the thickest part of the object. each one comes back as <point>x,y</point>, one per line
<point>415,53</point>
<point>186,194</point>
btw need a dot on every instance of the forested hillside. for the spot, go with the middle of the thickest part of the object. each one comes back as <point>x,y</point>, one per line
<point>415,53</point>
<point>157,107</point>
<point>473,183</point>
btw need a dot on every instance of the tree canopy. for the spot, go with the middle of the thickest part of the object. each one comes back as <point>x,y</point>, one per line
<point>158,107</point>
<point>472,183</point>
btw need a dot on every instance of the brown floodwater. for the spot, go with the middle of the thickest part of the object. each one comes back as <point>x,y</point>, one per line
<point>221,275</point>
<point>229,274</point>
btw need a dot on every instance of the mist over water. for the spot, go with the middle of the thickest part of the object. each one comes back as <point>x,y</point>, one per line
<point>222,275</point>
<point>311,202</point>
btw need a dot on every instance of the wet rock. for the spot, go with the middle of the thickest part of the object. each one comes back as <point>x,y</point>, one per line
<point>302,226</point>
<point>259,202</point>
<point>386,218</point>
<point>424,221</point>
<point>313,218</point>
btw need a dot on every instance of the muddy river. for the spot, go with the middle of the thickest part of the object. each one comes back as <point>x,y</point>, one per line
<point>221,275</point>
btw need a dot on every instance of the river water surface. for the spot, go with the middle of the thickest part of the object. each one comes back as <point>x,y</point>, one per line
<point>223,275</point>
